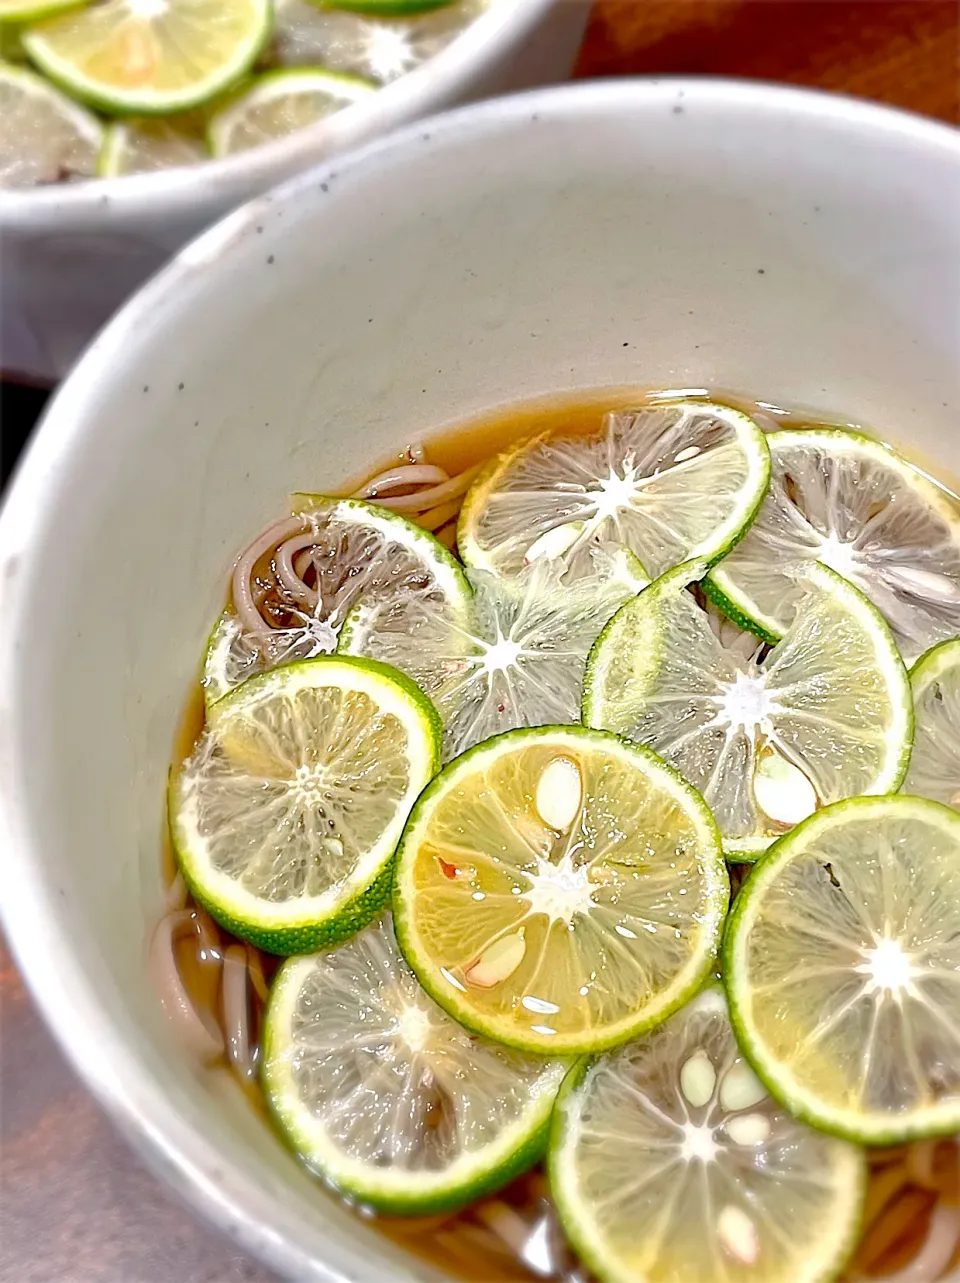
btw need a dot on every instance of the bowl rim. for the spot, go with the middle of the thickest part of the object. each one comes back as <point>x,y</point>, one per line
<point>123,1084</point>
<point>88,204</point>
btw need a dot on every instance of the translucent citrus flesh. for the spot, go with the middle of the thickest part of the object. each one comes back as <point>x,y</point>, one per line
<point>830,703</point>
<point>671,1164</point>
<point>669,483</point>
<point>559,940</point>
<point>400,562</point>
<point>145,146</point>
<point>280,104</point>
<point>154,56</point>
<point>518,660</point>
<point>296,794</point>
<point>384,1094</point>
<point>44,137</point>
<point>306,35</point>
<point>843,964</point>
<point>935,762</point>
<point>849,502</point>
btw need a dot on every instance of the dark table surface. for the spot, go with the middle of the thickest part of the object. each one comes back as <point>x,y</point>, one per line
<point>75,1205</point>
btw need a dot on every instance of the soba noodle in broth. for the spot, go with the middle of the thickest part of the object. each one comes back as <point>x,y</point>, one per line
<point>214,987</point>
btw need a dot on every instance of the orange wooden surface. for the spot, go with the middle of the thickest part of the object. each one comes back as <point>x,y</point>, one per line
<point>77,1206</point>
<point>903,52</point>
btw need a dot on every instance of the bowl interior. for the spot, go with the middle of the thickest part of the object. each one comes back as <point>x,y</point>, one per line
<point>786,246</point>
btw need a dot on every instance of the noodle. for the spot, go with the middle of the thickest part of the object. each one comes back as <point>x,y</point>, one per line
<point>257,978</point>
<point>265,542</point>
<point>405,474</point>
<point>921,1164</point>
<point>939,1247</point>
<point>176,894</point>
<point>198,1029</point>
<point>289,576</point>
<point>236,1014</point>
<point>434,518</point>
<point>423,500</point>
<point>448,535</point>
<point>886,1231</point>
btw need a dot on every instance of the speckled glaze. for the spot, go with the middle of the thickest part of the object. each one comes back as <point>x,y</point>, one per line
<point>792,246</point>
<point>73,253</point>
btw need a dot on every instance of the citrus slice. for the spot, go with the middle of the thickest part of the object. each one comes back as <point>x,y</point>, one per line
<point>825,715</point>
<point>336,536</point>
<point>281,102</point>
<point>854,504</point>
<point>935,762</point>
<point>150,56</point>
<point>44,137</point>
<point>306,34</point>
<point>669,482</point>
<point>384,1096</point>
<point>668,1160</point>
<point>519,661</point>
<point>146,145</point>
<point>842,962</point>
<point>559,890</point>
<point>286,816</point>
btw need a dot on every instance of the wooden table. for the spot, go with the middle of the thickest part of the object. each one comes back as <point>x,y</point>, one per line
<point>76,1206</point>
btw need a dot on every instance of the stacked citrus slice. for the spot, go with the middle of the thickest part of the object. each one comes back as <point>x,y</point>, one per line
<point>825,715</point>
<point>669,1160</point>
<point>385,1096</point>
<point>847,501</point>
<point>669,483</point>
<point>355,551</point>
<point>515,658</point>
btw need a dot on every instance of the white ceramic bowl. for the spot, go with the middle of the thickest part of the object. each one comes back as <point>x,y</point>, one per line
<point>73,253</point>
<point>798,247</point>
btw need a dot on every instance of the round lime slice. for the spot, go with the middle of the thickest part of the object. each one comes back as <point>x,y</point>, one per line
<point>669,482</point>
<point>840,498</point>
<point>559,890</point>
<point>279,103</point>
<point>825,715</point>
<point>147,145</point>
<point>519,658</point>
<point>44,137</point>
<point>286,816</point>
<point>668,1160</point>
<point>401,564</point>
<point>842,962</point>
<point>935,763</point>
<point>384,1096</point>
<point>150,57</point>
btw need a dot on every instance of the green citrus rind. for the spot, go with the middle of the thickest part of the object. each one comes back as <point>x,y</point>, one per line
<point>268,86</point>
<point>852,1125</point>
<point>404,903</point>
<point>294,928</point>
<point>736,604</point>
<point>515,1151</point>
<point>585,1243</point>
<point>38,42</point>
<point>438,560</point>
<point>750,435</point>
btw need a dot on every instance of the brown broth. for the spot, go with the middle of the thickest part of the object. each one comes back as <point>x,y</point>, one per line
<point>464,1244</point>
